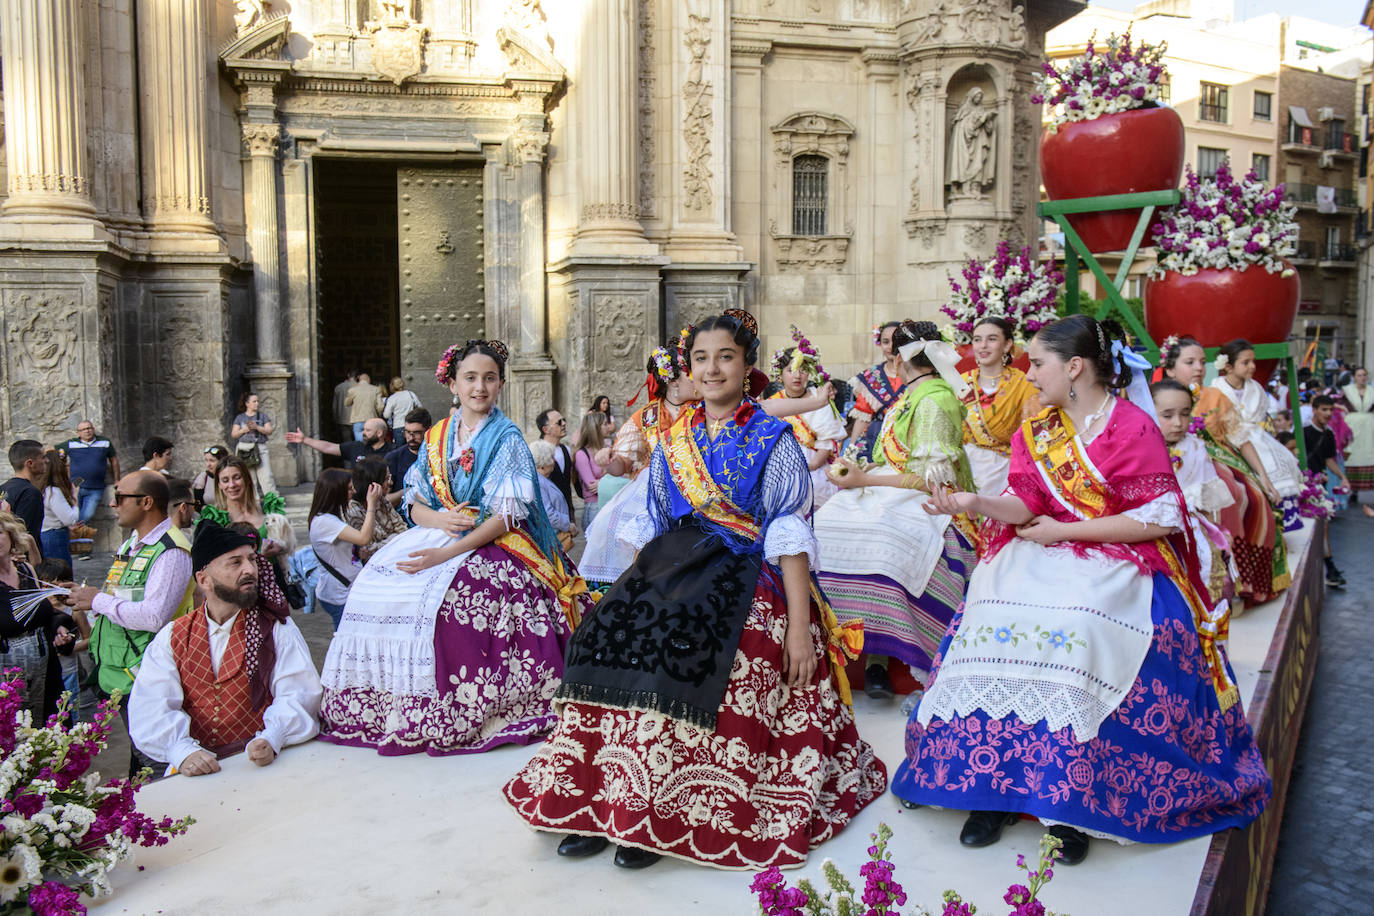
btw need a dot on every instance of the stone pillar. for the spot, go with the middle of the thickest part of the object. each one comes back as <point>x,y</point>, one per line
<point>608,134</point>
<point>532,369</point>
<point>45,131</point>
<point>172,67</point>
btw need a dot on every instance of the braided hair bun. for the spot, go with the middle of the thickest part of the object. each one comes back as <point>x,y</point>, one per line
<point>1091,341</point>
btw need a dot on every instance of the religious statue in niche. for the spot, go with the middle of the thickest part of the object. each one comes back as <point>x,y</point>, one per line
<point>972,148</point>
<point>247,13</point>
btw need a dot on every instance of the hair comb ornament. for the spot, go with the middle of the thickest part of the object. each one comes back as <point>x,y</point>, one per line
<point>501,349</point>
<point>749,321</point>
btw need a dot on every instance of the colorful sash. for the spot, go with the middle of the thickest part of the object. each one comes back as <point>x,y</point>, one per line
<point>1072,479</point>
<point>694,480</point>
<point>992,419</point>
<point>806,436</point>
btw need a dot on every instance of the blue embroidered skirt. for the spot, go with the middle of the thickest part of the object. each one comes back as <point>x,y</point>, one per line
<point>1167,765</point>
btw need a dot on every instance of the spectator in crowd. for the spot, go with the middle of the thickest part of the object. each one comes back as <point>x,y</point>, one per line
<point>204,483</point>
<point>236,500</point>
<point>333,539</point>
<point>1321,457</point>
<point>250,431</point>
<point>590,462</point>
<point>345,430</point>
<point>25,644</point>
<point>21,494</point>
<point>157,455</point>
<point>401,457</point>
<point>91,459</point>
<point>388,521</point>
<point>182,507</point>
<point>59,508</point>
<point>373,443</point>
<point>552,429</point>
<point>398,405</point>
<point>600,404</point>
<point>1283,422</point>
<point>148,585</point>
<point>68,650</point>
<point>364,402</point>
<point>550,495</point>
<point>234,673</point>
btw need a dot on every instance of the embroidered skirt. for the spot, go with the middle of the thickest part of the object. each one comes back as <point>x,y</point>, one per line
<point>478,673</point>
<point>783,770</point>
<point>1166,765</point>
<point>1256,537</point>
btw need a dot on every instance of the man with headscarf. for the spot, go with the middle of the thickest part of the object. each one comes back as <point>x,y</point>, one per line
<point>234,674</point>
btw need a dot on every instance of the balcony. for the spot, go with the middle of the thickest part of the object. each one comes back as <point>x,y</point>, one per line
<point>1342,256</point>
<point>1305,254</point>
<point>1305,197</point>
<point>1301,138</point>
<point>1342,143</point>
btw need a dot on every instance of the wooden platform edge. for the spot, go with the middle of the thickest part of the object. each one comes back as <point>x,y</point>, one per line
<point>1240,863</point>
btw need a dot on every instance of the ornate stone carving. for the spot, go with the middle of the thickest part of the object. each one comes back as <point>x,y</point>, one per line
<point>248,13</point>
<point>915,194</point>
<point>812,133</point>
<point>980,23</point>
<point>44,354</point>
<point>620,340</point>
<point>811,252</point>
<point>931,26</point>
<point>976,236</point>
<point>648,205</point>
<point>1016,27</point>
<point>526,54</point>
<point>261,139</point>
<point>398,43</point>
<point>596,212</point>
<point>926,230</point>
<point>972,148</point>
<point>695,310</point>
<point>530,145</point>
<point>528,16</point>
<point>697,95</point>
<point>182,361</point>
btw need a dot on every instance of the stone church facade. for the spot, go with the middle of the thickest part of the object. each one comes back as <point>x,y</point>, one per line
<point>204,196</point>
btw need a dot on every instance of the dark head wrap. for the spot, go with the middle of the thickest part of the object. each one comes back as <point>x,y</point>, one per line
<point>213,541</point>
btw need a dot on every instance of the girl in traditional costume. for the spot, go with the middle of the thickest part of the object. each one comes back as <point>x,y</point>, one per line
<point>1359,415</point>
<point>997,400</point>
<point>704,713</point>
<point>819,431</point>
<point>1253,522</point>
<point>1084,682</point>
<point>875,390</point>
<point>884,560</point>
<point>1204,492</point>
<point>453,634</point>
<point>1243,429</point>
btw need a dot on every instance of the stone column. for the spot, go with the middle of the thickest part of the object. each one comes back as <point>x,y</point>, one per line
<point>45,131</point>
<point>608,134</point>
<point>172,68</point>
<point>532,369</point>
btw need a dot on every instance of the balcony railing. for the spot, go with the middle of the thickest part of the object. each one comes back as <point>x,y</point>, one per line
<point>1305,251</point>
<point>1341,142</point>
<point>1307,194</point>
<point>1303,136</point>
<point>1340,253</point>
<point>1362,226</point>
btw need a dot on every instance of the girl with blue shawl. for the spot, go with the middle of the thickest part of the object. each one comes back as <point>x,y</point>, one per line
<point>704,713</point>
<point>452,638</point>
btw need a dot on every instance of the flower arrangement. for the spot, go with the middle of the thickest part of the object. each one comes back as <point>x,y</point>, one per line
<point>804,356</point>
<point>1313,500</point>
<point>1120,77</point>
<point>62,831</point>
<point>883,896</point>
<point>1223,223</point>
<point>443,372</point>
<point>1011,286</point>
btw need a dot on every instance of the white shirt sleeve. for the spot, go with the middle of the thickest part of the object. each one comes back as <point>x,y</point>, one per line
<point>293,716</point>
<point>56,507</point>
<point>1162,510</point>
<point>158,726</point>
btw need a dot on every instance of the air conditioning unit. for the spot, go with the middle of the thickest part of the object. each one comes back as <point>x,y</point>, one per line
<point>1328,159</point>
<point>1325,114</point>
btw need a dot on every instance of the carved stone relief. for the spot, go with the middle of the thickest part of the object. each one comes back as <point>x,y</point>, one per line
<point>648,206</point>
<point>43,352</point>
<point>261,139</point>
<point>182,362</point>
<point>398,43</point>
<point>697,95</point>
<point>620,340</point>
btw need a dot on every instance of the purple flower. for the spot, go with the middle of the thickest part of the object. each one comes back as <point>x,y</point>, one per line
<point>53,899</point>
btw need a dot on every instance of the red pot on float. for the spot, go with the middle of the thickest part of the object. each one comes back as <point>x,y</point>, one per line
<point>1020,359</point>
<point>1121,153</point>
<point>1216,306</point>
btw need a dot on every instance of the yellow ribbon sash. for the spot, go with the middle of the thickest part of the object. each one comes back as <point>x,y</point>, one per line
<point>806,436</point>
<point>992,426</point>
<point>685,462</point>
<point>553,574</point>
<point>436,446</point>
<point>1052,443</point>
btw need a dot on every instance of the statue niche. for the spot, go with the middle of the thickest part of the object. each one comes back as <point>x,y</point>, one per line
<point>972,148</point>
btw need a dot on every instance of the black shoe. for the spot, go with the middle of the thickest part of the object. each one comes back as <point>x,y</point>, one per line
<point>1334,581</point>
<point>1075,848</point>
<point>908,805</point>
<point>576,846</point>
<point>983,828</point>
<point>876,682</point>
<point>629,857</point>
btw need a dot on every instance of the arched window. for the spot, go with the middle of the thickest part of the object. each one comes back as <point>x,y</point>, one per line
<point>810,194</point>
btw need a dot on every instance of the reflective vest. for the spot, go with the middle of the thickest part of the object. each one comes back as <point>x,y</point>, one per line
<point>116,650</point>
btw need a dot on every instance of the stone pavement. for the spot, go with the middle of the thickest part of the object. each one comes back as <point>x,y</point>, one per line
<point>1324,865</point>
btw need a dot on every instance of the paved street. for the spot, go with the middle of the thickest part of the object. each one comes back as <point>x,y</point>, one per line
<point>1323,864</point>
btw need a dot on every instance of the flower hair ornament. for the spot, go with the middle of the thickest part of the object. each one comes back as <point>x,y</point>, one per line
<point>805,358</point>
<point>877,334</point>
<point>943,357</point>
<point>1221,362</point>
<point>667,361</point>
<point>1170,348</point>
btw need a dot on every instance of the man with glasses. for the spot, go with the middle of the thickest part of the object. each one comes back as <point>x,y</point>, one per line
<point>181,505</point>
<point>91,458</point>
<point>400,458</point>
<point>552,429</point>
<point>148,585</point>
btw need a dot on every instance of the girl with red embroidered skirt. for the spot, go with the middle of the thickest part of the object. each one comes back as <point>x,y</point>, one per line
<point>1083,682</point>
<point>703,710</point>
<point>1252,520</point>
<point>451,640</point>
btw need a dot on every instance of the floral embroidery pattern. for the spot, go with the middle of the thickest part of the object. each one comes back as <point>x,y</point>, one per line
<point>1014,634</point>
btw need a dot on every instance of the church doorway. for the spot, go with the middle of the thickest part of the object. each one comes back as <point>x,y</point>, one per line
<point>400,270</point>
